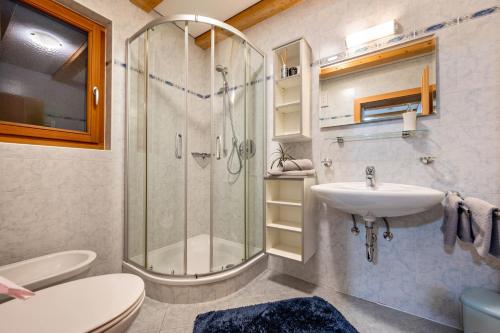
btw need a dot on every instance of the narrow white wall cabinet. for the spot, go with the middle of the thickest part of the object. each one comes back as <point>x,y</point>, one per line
<point>292,92</point>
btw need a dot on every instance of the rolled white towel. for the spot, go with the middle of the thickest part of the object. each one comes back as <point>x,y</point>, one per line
<point>464,230</point>
<point>303,164</point>
<point>295,173</point>
<point>300,173</point>
<point>275,172</point>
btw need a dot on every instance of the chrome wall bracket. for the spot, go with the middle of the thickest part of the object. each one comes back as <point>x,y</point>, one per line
<point>327,162</point>
<point>427,159</point>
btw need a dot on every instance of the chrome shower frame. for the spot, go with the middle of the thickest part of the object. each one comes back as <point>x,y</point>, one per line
<point>213,23</point>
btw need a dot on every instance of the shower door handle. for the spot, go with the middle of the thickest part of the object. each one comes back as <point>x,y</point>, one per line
<point>217,147</point>
<point>178,145</point>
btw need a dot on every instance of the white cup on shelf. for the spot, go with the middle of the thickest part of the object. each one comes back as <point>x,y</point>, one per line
<point>410,119</point>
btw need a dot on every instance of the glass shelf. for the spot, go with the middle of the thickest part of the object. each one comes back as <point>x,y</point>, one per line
<point>378,136</point>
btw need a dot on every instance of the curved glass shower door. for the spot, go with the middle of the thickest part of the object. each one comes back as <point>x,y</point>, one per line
<point>195,148</point>
<point>135,250</point>
<point>167,139</point>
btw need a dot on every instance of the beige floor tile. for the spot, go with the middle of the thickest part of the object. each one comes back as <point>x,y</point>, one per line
<point>150,317</point>
<point>268,287</point>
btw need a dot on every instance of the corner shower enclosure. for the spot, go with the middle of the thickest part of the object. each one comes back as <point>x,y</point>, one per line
<point>195,148</point>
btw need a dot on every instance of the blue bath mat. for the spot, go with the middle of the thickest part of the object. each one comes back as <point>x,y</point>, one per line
<point>304,315</point>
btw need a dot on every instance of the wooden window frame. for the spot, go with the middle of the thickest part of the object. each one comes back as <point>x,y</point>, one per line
<point>93,137</point>
<point>425,94</point>
<point>402,96</point>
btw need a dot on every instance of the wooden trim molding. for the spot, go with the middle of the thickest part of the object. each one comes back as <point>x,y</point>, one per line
<point>247,18</point>
<point>49,142</point>
<point>426,97</point>
<point>75,64</point>
<point>395,53</point>
<point>396,97</point>
<point>146,5</point>
<point>95,47</point>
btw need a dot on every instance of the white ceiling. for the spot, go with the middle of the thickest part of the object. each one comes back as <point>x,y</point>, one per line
<point>217,9</point>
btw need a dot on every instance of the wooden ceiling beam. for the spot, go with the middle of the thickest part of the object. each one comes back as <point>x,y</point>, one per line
<point>73,66</point>
<point>6,11</point>
<point>247,18</point>
<point>146,5</point>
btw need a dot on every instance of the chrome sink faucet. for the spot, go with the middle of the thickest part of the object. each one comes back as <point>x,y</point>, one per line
<point>370,176</point>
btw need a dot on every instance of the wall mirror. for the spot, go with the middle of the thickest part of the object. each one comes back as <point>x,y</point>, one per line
<point>380,86</point>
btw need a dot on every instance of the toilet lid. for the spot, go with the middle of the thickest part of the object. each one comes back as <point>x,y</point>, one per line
<point>77,306</point>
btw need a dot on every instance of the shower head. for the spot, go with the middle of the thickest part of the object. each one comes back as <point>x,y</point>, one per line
<point>223,70</point>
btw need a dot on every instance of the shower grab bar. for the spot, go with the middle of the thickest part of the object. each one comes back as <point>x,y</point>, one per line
<point>217,147</point>
<point>178,145</point>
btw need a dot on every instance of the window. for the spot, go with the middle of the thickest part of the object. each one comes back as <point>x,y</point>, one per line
<point>52,63</point>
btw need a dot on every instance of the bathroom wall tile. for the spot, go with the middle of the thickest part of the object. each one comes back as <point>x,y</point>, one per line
<point>479,272</point>
<point>56,198</point>
<point>481,31</point>
<point>430,12</point>
<point>413,272</point>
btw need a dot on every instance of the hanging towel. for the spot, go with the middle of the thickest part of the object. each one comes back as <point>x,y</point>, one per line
<point>291,165</point>
<point>482,225</point>
<point>11,289</point>
<point>451,216</point>
<point>495,237</point>
<point>464,230</point>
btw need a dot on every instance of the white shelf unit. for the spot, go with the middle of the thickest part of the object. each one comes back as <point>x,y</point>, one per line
<point>292,94</point>
<point>290,224</point>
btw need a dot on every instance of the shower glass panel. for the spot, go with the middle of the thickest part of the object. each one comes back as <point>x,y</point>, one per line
<point>136,152</point>
<point>255,83</point>
<point>196,148</point>
<point>228,169</point>
<point>166,149</point>
<point>198,155</point>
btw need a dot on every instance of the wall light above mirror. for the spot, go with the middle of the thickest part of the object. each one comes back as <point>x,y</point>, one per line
<point>377,32</point>
<point>381,85</point>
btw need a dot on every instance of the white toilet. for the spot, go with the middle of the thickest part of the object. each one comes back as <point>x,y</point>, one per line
<point>105,303</point>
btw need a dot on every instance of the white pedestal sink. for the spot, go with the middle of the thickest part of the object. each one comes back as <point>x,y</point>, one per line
<point>383,200</point>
